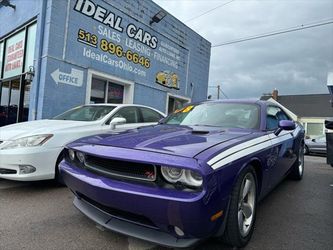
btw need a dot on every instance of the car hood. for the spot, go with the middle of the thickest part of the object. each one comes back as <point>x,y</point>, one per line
<point>24,129</point>
<point>168,139</point>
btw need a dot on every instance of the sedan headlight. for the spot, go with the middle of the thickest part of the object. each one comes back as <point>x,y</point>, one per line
<point>185,176</point>
<point>29,141</point>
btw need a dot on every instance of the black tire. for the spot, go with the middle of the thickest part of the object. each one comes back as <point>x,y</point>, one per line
<point>57,177</point>
<point>306,150</point>
<point>233,234</point>
<point>297,169</point>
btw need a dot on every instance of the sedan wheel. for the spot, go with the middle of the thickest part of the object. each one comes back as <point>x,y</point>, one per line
<point>242,209</point>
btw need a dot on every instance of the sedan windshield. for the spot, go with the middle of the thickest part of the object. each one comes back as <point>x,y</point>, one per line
<point>85,113</point>
<point>226,115</point>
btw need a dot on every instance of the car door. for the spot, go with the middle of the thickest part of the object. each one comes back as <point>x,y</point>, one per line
<point>319,144</point>
<point>282,145</point>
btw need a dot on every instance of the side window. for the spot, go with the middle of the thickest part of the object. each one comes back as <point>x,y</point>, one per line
<point>131,114</point>
<point>274,115</point>
<point>149,115</point>
<point>321,139</point>
<point>281,115</point>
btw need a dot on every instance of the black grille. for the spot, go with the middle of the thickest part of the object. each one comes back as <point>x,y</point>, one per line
<point>120,214</point>
<point>124,169</point>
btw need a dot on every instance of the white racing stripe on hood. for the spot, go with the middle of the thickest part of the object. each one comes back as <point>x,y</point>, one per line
<point>237,148</point>
<point>251,147</point>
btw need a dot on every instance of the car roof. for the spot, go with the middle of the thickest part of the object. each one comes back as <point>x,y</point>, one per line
<point>244,101</point>
<point>123,105</point>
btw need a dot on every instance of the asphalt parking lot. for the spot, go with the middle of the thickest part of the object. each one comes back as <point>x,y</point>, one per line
<point>296,215</point>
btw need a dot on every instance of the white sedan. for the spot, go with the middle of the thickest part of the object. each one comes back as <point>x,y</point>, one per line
<point>31,151</point>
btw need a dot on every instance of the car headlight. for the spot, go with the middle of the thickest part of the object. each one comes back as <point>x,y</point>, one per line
<point>71,154</point>
<point>185,176</point>
<point>29,141</point>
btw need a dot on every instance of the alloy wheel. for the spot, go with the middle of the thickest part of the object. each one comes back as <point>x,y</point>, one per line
<point>301,160</point>
<point>246,204</point>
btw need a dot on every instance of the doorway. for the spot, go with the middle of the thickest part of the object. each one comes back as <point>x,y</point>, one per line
<point>14,101</point>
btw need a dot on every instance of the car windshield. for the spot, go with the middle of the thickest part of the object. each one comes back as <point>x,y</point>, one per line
<point>226,115</point>
<point>85,113</point>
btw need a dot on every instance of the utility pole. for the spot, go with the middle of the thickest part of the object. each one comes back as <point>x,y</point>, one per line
<point>218,92</point>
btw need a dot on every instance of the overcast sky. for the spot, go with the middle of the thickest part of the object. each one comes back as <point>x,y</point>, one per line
<point>294,63</point>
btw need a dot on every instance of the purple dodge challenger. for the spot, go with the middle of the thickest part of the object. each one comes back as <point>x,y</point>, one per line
<point>197,174</point>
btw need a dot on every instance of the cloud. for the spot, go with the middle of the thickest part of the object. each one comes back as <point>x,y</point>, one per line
<point>294,63</point>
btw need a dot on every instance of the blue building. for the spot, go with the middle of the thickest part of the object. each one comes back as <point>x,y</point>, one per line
<point>55,55</point>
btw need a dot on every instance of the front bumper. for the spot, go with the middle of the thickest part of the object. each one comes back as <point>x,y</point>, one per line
<point>41,158</point>
<point>153,213</point>
<point>124,227</point>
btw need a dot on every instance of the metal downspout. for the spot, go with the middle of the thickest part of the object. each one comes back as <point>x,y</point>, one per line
<point>39,56</point>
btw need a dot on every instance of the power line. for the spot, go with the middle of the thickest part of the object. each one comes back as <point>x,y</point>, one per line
<point>276,32</point>
<point>223,93</point>
<point>208,11</point>
<point>219,90</point>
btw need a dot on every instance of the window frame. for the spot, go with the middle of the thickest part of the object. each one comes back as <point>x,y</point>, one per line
<point>128,97</point>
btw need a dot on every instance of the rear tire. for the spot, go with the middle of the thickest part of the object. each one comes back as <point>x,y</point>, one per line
<point>306,150</point>
<point>297,170</point>
<point>242,209</point>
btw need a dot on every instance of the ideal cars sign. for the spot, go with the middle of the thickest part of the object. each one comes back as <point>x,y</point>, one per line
<point>108,37</point>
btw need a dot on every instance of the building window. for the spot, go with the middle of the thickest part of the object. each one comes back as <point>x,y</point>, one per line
<point>175,103</point>
<point>15,50</point>
<point>10,96</point>
<point>115,93</point>
<point>30,47</point>
<point>97,91</point>
<point>314,129</point>
<point>103,91</point>
<point>14,54</point>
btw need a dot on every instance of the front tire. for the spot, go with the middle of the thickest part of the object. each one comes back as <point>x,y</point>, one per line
<point>57,177</point>
<point>242,209</point>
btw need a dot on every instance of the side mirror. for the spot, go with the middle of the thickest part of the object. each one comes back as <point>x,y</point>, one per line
<point>117,121</point>
<point>314,140</point>
<point>285,125</point>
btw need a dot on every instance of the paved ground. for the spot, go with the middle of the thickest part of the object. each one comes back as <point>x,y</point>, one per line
<point>296,215</point>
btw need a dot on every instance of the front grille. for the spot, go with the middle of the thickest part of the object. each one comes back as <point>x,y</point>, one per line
<point>120,214</point>
<point>7,171</point>
<point>123,169</point>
